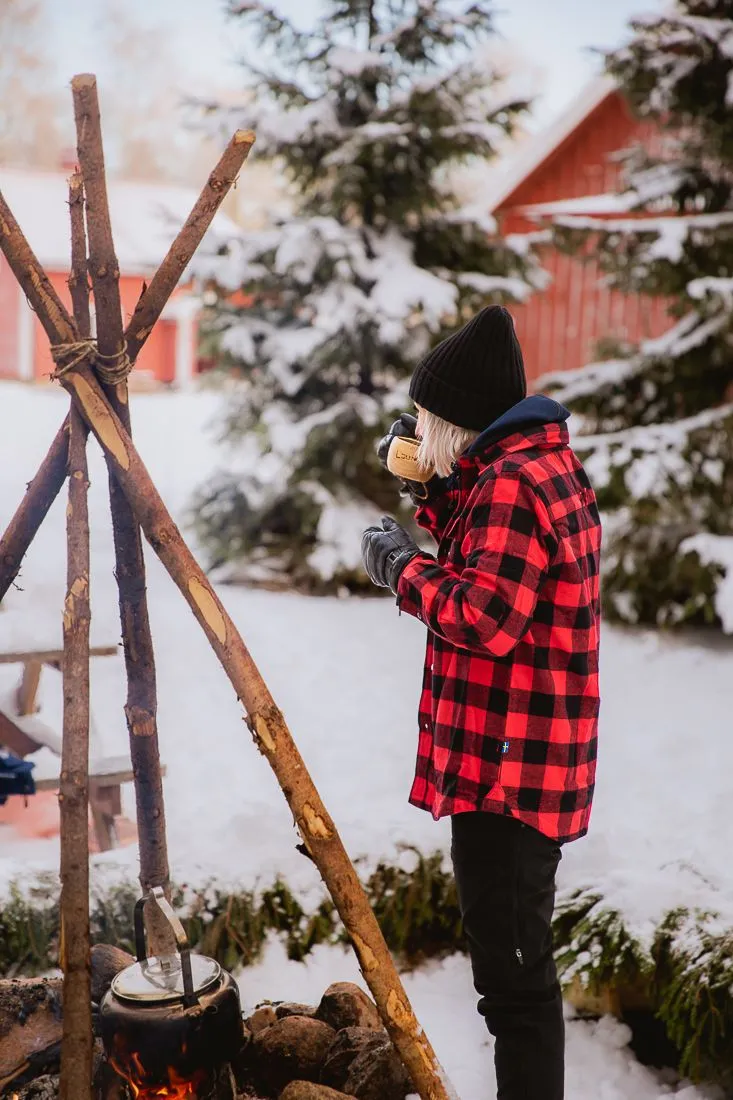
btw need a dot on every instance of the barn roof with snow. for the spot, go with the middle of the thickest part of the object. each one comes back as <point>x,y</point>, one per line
<point>575,167</point>
<point>145,217</point>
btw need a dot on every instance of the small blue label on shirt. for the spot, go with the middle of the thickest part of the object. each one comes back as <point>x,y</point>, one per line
<point>505,747</point>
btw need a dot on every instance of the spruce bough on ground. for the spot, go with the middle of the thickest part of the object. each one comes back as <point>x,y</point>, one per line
<point>367,114</point>
<point>660,416</point>
<point>685,972</point>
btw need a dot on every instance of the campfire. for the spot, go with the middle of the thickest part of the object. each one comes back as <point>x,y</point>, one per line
<point>176,1088</point>
<point>171,1024</point>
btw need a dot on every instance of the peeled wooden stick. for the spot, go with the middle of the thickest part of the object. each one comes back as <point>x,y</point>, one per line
<point>76,1049</point>
<point>142,703</point>
<point>271,736</point>
<point>78,281</point>
<point>77,1039</point>
<point>178,257</point>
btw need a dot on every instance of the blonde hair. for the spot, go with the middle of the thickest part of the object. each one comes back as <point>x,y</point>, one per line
<point>441,443</point>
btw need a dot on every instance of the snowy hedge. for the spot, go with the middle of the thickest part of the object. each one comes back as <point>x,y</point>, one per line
<point>682,969</point>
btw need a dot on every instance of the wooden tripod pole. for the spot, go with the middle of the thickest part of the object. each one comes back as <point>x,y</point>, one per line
<point>30,514</point>
<point>60,329</point>
<point>141,706</point>
<point>45,486</point>
<point>77,1036</point>
<point>271,736</point>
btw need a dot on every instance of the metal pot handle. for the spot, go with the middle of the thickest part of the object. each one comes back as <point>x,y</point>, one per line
<point>157,896</point>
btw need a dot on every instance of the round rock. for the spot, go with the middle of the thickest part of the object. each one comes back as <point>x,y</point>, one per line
<point>349,1042</point>
<point>307,1090</point>
<point>262,1017</point>
<point>292,1008</point>
<point>292,1049</point>
<point>346,1005</point>
<point>377,1073</point>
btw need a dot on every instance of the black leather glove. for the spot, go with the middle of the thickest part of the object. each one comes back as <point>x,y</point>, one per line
<point>406,426</point>
<point>385,551</point>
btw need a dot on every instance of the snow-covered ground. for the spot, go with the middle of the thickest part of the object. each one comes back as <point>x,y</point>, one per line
<point>347,675</point>
<point>599,1063</point>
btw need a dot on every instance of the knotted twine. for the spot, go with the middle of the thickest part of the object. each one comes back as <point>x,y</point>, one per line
<point>111,369</point>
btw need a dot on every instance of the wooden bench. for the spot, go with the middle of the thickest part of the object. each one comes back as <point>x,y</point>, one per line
<point>23,733</point>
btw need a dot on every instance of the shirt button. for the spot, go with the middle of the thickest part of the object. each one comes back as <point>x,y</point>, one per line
<point>419,616</point>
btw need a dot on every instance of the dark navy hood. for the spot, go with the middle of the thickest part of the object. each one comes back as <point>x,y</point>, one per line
<point>532,412</point>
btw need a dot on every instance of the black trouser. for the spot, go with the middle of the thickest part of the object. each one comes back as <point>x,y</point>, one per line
<point>505,874</point>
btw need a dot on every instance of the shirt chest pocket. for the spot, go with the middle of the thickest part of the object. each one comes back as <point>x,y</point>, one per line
<point>449,549</point>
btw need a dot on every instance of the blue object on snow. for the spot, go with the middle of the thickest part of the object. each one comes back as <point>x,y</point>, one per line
<point>15,777</point>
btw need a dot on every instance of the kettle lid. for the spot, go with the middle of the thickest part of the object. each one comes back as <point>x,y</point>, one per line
<point>159,978</point>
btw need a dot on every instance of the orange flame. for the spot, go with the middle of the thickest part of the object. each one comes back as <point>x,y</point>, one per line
<point>176,1088</point>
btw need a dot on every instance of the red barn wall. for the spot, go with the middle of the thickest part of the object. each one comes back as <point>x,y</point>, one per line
<point>560,327</point>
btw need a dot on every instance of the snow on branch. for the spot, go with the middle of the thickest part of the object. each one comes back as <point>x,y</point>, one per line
<point>516,288</point>
<point>669,235</point>
<point>712,286</point>
<point>651,456</point>
<point>278,127</point>
<point>716,550</point>
<point>341,277</point>
<point>669,48</point>
<point>690,332</point>
<point>356,63</point>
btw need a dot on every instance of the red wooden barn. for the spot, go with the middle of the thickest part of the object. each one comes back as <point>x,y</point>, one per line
<point>145,219</point>
<point>574,169</point>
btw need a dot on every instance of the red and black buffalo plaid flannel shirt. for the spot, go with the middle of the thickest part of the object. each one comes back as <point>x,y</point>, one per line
<point>509,708</point>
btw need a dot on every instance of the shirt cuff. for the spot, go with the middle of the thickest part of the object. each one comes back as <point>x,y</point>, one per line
<point>408,594</point>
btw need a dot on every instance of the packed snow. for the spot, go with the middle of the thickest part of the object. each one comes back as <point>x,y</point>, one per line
<point>346,673</point>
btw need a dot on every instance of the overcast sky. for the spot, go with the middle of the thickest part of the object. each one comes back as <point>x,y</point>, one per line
<point>555,36</point>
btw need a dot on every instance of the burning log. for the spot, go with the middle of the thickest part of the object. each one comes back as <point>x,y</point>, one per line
<point>31,1016</point>
<point>30,1028</point>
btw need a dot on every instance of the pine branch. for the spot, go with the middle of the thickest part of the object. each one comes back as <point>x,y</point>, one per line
<point>270,25</point>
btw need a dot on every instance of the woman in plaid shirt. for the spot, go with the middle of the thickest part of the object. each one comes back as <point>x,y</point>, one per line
<point>509,708</point>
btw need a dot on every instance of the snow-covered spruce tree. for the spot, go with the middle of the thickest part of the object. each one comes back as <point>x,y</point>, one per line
<point>661,417</point>
<point>367,114</point>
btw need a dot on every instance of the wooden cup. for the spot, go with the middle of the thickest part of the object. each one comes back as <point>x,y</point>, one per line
<point>402,460</point>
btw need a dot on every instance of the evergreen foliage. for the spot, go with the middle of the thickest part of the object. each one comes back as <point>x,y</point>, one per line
<point>660,415</point>
<point>368,114</point>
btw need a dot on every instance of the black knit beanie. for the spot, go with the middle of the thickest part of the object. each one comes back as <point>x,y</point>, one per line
<point>475,375</point>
